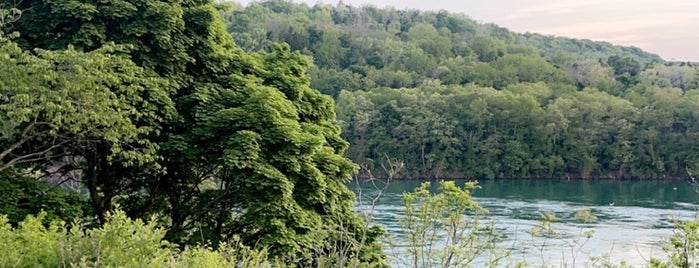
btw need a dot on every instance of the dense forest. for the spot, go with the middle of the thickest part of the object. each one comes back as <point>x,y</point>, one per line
<point>455,98</point>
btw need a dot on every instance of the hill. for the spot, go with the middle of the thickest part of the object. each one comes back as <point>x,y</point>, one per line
<point>455,98</point>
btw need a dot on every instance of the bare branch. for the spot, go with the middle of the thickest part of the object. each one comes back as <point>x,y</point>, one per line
<point>19,143</point>
<point>693,181</point>
<point>36,156</point>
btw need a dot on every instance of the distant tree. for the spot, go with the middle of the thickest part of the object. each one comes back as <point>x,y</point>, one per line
<point>590,74</point>
<point>487,48</point>
<point>430,40</point>
<point>665,75</point>
<point>625,69</point>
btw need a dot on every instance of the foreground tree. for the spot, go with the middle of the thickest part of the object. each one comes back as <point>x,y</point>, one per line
<point>252,150</point>
<point>97,108</point>
<point>56,100</point>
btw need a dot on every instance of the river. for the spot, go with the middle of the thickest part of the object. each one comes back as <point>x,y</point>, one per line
<point>634,218</point>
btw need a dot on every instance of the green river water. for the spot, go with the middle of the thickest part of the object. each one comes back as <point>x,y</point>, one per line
<point>634,218</point>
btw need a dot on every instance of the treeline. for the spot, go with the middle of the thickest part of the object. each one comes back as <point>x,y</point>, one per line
<point>524,131</point>
<point>455,98</point>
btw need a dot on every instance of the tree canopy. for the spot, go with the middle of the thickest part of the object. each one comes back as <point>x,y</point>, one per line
<point>160,113</point>
<point>454,98</point>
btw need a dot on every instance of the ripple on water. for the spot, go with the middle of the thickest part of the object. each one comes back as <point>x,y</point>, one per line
<point>631,221</point>
<point>623,232</point>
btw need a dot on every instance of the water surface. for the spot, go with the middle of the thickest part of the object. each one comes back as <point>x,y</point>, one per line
<point>634,218</point>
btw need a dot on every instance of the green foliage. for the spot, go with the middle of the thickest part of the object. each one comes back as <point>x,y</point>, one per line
<point>444,229</point>
<point>218,143</point>
<point>23,195</point>
<point>422,44</point>
<point>487,48</point>
<point>683,246</point>
<point>561,107</point>
<point>58,103</point>
<point>162,114</point>
<point>525,130</point>
<point>97,107</point>
<point>121,242</point>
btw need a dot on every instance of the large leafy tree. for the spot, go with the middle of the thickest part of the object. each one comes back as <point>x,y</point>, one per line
<point>96,107</point>
<point>53,100</point>
<point>253,151</point>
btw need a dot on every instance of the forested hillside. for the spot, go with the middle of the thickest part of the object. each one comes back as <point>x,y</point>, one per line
<point>454,98</point>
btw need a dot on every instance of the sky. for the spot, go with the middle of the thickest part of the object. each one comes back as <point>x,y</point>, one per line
<point>669,28</point>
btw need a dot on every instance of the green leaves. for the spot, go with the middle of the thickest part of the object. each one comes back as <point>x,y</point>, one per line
<point>166,116</point>
<point>61,101</point>
<point>23,195</point>
<point>682,247</point>
<point>279,151</point>
<point>242,149</point>
<point>121,242</point>
<point>442,228</point>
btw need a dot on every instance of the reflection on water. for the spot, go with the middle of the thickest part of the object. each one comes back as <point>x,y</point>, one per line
<point>634,217</point>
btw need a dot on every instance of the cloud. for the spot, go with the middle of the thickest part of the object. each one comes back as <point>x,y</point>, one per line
<point>654,25</point>
<point>624,24</point>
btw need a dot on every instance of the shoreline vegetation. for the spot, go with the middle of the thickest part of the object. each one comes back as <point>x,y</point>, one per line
<point>201,133</point>
<point>687,178</point>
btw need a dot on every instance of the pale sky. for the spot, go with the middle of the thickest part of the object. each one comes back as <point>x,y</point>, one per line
<point>669,28</point>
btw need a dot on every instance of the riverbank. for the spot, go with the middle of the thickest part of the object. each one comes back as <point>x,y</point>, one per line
<point>616,176</point>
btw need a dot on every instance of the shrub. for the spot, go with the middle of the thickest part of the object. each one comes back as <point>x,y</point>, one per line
<point>22,195</point>
<point>445,229</point>
<point>121,242</point>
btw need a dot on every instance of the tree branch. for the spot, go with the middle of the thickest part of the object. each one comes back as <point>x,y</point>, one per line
<point>18,144</point>
<point>30,157</point>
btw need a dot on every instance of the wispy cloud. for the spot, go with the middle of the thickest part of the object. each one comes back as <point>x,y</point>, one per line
<point>650,24</point>
<point>654,25</point>
<point>615,25</point>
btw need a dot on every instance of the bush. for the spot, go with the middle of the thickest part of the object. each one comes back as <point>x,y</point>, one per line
<point>22,195</point>
<point>683,246</point>
<point>121,242</point>
<point>444,229</point>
